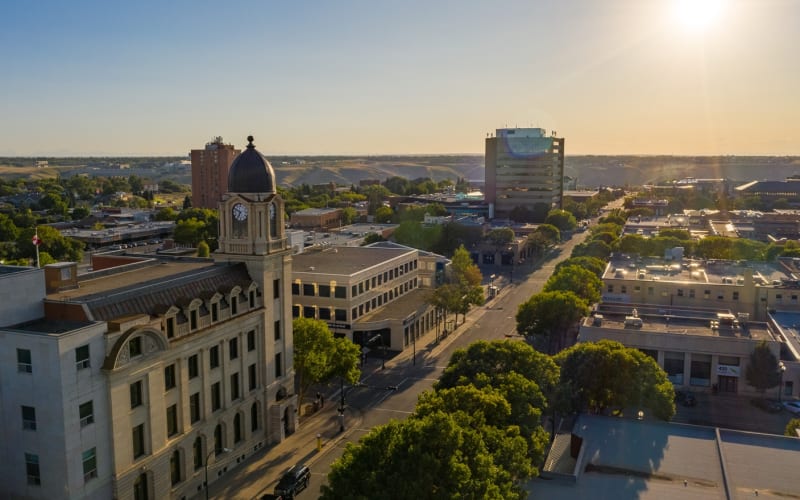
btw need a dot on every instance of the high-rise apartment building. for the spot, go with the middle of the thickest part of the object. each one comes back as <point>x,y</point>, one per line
<point>210,168</point>
<point>524,171</point>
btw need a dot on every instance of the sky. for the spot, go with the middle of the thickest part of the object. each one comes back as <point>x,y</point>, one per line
<point>373,77</point>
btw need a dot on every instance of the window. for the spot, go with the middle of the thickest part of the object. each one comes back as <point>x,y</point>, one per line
<point>680,292</point>
<point>216,397</point>
<point>215,311</point>
<point>324,313</point>
<point>340,292</point>
<point>278,330</point>
<point>706,294</point>
<point>735,295</point>
<point>308,289</point>
<point>170,327</point>
<point>172,420</point>
<point>673,365</point>
<point>295,288</point>
<point>194,407</point>
<point>610,289</point>
<point>193,319</point>
<point>82,357</point>
<point>86,413</point>
<point>354,313</point>
<point>234,304</point>
<point>213,357</point>
<point>361,288</point>
<point>324,290</point>
<point>295,311</point>
<point>24,364</point>
<point>197,453</point>
<point>135,347</point>
<point>175,467</point>
<point>136,394</point>
<point>218,447</point>
<point>194,370</point>
<point>373,282</point>
<point>251,377</point>
<point>169,377</point>
<point>234,386</point>
<point>309,312</point>
<point>700,374</point>
<point>252,299</point>
<point>353,291</point>
<point>251,340</point>
<point>237,428</point>
<point>691,293</point>
<point>340,315</point>
<point>233,348</point>
<point>89,459</point>
<point>254,417</point>
<point>278,367</point>
<point>276,289</point>
<point>32,469</point>
<point>650,290</point>
<point>29,418</point>
<point>138,441</point>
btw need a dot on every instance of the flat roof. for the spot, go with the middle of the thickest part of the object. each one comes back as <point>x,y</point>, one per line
<point>692,272</point>
<point>344,261</point>
<point>678,321</point>
<point>647,459</point>
<point>397,309</point>
<point>14,269</point>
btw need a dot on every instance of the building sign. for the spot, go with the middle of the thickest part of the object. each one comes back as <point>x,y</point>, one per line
<point>340,326</point>
<point>728,370</point>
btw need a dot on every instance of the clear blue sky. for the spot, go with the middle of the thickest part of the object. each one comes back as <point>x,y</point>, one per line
<point>371,77</point>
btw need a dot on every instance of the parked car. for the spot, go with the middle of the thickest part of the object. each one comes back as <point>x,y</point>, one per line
<point>767,405</point>
<point>293,481</point>
<point>792,407</point>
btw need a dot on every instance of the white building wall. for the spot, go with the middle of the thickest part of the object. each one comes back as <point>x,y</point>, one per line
<point>21,294</point>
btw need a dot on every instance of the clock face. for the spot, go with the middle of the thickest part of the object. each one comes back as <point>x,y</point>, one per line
<point>239,212</point>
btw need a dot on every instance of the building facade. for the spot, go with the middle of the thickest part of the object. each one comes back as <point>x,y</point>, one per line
<point>377,296</point>
<point>136,382</point>
<point>210,167</point>
<point>524,168</point>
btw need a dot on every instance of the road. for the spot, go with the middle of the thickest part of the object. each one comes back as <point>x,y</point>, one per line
<point>375,405</point>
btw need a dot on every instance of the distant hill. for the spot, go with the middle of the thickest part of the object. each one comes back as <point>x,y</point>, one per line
<point>591,171</point>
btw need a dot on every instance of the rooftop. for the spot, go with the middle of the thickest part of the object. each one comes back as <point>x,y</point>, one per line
<point>694,271</point>
<point>678,321</point>
<point>397,309</point>
<point>344,261</point>
<point>643,459</point>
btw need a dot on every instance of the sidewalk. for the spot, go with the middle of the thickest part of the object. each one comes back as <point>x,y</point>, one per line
<point>262,469</point>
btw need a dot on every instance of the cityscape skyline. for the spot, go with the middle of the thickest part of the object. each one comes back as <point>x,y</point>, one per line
<point>613,77</point>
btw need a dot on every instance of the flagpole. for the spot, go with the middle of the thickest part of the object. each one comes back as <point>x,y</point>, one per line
<point>36,244</point>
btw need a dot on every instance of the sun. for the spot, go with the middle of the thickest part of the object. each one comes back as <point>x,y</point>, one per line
<point>698,16</point>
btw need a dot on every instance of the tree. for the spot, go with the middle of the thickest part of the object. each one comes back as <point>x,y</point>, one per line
<point>607,375</point>
<point>595,248</point>
<point>550,232</point>
<point>762,370</point>
<point>372,238</point>
<point>792,427</point>
<point>165,214</point>
<point>593,264</point>
<point>202,249</point>
<point>318,356</point>
<point>349,214</point>
<point>187,202</point>
<point>80,213</point>
<point>550,315</point>
<point>61,248</point>
<point>426,457</point>
<point>561,219</point>
<point>468,278</point>
<point>582,282</point>
<point>501,236</point>
<point>383,214</point>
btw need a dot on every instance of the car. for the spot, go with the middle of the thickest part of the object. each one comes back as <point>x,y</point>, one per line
<point>767,405</point>
<point>792,407</point>
<point>293,481</point>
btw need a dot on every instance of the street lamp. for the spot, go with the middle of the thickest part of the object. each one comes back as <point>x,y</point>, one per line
<point>781,369</point>
<point>223,450</point>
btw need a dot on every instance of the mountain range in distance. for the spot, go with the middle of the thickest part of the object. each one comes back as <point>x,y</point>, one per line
<point>591,171</point>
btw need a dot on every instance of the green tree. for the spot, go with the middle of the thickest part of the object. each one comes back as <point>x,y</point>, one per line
<point>593,264</point>
<point>203,250</point>
<point>318,356</point>
<point>550,315</point>
<point>165,214</point>
<point>372,238</point>
<point>607,375</point>
<point>61,248</point>
<point>8,230</point>
<point>383,215</point>
<point>595,248</point>
<point>561,219</point>
<point>500,236</point>
<point>187,202</point>
<point>792,427</point>
<point>467,276</point>
<point>582,282</point>
<point>762,370</point>
<point>80,213</point>
<point>349,215</point>
<point>550,232</point>
<point>189,232</point>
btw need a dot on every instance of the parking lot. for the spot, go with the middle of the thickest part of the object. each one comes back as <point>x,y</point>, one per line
<point>731,412</point>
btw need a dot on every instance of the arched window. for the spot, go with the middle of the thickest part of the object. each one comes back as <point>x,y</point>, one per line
<point>254,417</point>
<point>175,467</point>
<point>197,453</point>
<point>273,220</point>
<point>218,447</point>
<point>237,428</point>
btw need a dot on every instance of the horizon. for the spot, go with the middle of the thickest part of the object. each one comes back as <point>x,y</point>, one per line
<point>614,78</point>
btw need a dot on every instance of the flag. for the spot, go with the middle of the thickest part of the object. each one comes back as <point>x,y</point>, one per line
<point>36,240</point>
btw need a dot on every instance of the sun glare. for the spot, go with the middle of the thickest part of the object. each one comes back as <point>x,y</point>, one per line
<point>698,15</point>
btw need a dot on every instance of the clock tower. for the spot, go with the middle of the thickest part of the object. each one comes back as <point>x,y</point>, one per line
<point>251,230</point>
